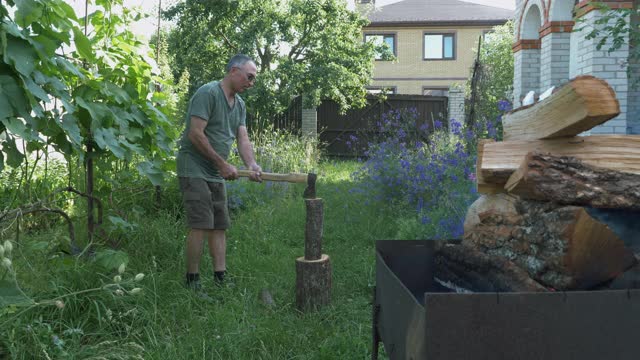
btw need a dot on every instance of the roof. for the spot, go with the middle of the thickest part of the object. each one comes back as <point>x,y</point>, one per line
<point>438,12</point>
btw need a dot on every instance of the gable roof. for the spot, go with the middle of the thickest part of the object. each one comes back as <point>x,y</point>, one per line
<point>438,12</point>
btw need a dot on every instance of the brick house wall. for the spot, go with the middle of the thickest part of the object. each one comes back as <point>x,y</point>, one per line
<point>546,34</point>
<point>410,73</point>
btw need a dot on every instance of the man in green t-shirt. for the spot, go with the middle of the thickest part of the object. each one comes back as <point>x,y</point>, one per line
<point>216,117</point>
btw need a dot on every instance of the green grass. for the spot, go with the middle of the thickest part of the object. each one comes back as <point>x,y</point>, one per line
<point>166,321</point>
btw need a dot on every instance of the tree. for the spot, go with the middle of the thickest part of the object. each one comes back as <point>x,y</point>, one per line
<point>495,77</point>
<point>615,28</point>
<point>98,99</point>
<point>310,47</point>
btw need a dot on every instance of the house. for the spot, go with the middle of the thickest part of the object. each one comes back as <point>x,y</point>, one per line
<point>551,47</point>
<point>432,40</point>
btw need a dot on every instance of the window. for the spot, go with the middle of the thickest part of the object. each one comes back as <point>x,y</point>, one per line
<point>435,91</point>
<point>379,39</point>
<point>381,89</point>
<point>439,46</point>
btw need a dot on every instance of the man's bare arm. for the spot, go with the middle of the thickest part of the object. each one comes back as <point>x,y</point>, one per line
<point>199,140</point>
<point>246,153</point>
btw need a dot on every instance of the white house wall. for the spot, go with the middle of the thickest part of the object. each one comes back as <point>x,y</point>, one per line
<point>563,55</point>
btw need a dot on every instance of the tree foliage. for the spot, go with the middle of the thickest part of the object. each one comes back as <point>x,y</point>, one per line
<point>62,88</point>
<point>310,47</point>
<point>615,28</point>
<point>495,80</point>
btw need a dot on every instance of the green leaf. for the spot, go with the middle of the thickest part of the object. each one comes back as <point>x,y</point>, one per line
<point>14,95</point>
<point>111,89</point>
<point>69,67</point>
<point>28,12</point>
<point>64,9</point>
<point>14,156</point>
<point>11,294</point>
<point>120,223</point>
<point>97,111</point>
<point>152,172</point>
<point>106,139</point>
<point>83,45</point>
<point>5,106</point>
<point>110,259</point>
<point>21,55</point>
<point>13,29</point>
<point>36,90</point>
<point>70,127</point>
<point>16,127</point>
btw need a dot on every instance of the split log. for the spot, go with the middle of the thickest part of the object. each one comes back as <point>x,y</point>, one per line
<point>501,203</point>
<point>483,186</point>
<point>498,160</point>
<point>567,180</point>
<point>313,229</point>
<point>468,268</point>
<point>313,283</point>
<point>559,246</point>
<point>578,106</point>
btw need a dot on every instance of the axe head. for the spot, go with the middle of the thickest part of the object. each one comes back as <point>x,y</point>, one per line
<point>310,190</point>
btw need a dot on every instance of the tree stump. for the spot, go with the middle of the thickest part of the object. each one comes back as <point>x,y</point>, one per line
<point>313,229</point>
<point>313,283</point>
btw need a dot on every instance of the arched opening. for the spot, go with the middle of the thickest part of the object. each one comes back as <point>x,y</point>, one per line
<point>531,23</point>
<point>562,10</point>
<point>527,58</point>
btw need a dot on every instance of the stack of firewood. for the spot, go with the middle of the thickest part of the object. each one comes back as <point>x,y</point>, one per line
<point>558,210</point>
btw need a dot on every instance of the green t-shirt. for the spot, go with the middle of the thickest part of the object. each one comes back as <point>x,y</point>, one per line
<point>209,103</point>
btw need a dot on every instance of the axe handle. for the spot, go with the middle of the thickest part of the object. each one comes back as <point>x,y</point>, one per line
<point>291,177</point>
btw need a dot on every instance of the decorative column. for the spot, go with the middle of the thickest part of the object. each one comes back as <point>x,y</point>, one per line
<point>555,53</point>
<point>456,105</point>
<point>526,67</point>
<point>310,123</point>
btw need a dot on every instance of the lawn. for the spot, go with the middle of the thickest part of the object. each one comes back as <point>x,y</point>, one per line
<point>167,321</point>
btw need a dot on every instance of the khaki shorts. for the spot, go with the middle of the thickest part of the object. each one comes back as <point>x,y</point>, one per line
<point>205,204</point>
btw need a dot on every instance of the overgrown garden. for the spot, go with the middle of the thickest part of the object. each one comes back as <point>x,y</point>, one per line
<point>89,113</point>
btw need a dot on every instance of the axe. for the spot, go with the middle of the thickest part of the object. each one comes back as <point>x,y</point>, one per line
<point>310,179</point>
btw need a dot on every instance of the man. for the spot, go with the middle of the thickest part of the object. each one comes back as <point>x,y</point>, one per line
<point>215,118</point>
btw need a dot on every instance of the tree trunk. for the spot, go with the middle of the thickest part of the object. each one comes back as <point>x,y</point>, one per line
<point>567,180</point>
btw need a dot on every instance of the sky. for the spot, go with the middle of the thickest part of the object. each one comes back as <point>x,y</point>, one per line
<point>147,27</point>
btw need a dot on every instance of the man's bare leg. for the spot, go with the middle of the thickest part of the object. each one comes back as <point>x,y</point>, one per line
<point>218,252</point>
<point>195,245</point>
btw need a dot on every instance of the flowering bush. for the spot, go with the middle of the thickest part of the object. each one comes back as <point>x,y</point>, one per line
<point>426,173</point>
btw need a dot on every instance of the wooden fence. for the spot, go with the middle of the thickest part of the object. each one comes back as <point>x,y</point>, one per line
<point>337,130</point>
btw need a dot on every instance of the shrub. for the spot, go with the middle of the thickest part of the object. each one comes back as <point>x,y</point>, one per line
<point>428,176</point>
